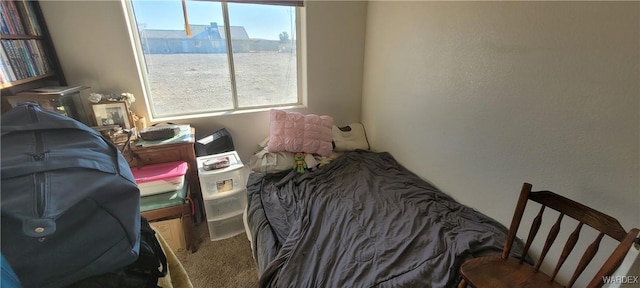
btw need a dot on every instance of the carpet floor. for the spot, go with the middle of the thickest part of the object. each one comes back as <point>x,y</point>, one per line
<point>220,264</point>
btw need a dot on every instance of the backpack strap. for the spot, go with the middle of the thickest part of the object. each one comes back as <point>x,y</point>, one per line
<point>150,238</point>
<point>150,265</point>
<point>57,161</point>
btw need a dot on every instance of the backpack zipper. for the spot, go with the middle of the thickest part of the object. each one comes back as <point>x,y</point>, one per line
<point>40,183</point>
<point>40,153</point>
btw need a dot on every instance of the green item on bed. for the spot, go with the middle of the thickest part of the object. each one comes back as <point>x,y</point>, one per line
<point>299,164</point>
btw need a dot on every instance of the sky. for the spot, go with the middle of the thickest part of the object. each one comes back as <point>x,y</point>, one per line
<point>260,21</point>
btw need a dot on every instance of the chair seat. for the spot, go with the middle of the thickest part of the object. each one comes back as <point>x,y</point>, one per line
<point>495,272</point>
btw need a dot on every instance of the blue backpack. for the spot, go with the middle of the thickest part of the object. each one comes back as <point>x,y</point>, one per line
<point>69,202</point>
<point>8,279</point>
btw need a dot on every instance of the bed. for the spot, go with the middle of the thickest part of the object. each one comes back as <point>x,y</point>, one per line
<point>362,220</point>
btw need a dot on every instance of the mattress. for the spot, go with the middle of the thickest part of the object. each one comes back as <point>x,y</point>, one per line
<point>362,221</point>
<point>264,245</point>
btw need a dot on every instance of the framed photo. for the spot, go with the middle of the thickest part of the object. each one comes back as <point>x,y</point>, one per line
<point>112,113</point>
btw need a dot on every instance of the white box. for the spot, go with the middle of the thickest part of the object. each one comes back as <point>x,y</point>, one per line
<point>234,162</point>
<point>161,186</point>
<point>160,178</point>
<point>226,227</point>
<point>171,231</point>
<point>224,204</point>
<point>221,180</point>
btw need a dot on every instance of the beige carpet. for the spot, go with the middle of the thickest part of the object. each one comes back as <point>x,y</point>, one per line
<point>220,264</point>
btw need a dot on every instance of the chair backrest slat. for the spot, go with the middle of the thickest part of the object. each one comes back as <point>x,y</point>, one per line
<point>553,233</point>
<point>568,247</point>
<point>532,233</point>
<point>586,258</point>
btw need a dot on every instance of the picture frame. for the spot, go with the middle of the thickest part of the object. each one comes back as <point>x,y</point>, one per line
<point>112,113</point>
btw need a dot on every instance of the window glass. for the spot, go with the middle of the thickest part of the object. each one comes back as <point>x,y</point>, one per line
<point>192,74</point>
<point>265,62</point>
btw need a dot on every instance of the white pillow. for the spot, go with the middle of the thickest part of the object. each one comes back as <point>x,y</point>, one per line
<point>350,138</point>
<point>266,162</point>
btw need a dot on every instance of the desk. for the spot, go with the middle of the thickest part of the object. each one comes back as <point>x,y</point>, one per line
<point>182,151</point>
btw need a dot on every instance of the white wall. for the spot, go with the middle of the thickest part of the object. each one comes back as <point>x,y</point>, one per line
<point>92,42</point>
<point>479,97</point>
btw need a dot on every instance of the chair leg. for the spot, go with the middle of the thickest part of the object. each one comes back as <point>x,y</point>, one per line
<point>462,284</point>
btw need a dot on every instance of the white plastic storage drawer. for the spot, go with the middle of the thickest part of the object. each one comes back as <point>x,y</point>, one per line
<point>226,227</point>
<point>225,203</point>
<point>221,180</point>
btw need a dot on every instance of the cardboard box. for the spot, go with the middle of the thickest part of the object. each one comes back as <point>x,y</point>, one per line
<point>171,231</point>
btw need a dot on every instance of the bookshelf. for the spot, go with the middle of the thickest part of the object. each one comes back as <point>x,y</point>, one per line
<point>28,58</point>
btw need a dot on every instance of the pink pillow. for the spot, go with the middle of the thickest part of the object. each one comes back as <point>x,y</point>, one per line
<point>294,132</point>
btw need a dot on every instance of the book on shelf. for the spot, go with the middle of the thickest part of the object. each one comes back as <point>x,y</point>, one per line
<point>4,26</point>
<point>22,50</point>
<point>13,18</point>
<point>19,18</point>
<point>15,61</point>
<point>32,57</point>
<point>28,18</point>
<point>43,55</point>
<point>3,78</point>
<point>25,58</point>
<point>6,69</point>
<point>35,56</point>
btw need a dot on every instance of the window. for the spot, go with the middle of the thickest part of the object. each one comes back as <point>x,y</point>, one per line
<point>237,56</point>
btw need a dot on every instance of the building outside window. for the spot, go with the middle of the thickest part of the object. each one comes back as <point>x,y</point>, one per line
<point>237,55</point>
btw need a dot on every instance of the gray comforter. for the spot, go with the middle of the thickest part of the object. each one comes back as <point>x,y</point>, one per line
<point>363,221</point>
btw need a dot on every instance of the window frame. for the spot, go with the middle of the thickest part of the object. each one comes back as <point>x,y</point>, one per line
<point>301,63</point>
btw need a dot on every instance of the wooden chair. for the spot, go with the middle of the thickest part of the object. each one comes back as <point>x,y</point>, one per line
<point>503,271</point>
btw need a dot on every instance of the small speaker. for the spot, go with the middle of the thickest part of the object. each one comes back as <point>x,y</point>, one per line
<point>216,143</point>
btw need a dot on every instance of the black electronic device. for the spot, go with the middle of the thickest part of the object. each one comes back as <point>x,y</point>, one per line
<point>216,143</point>
<point>162,132</point>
